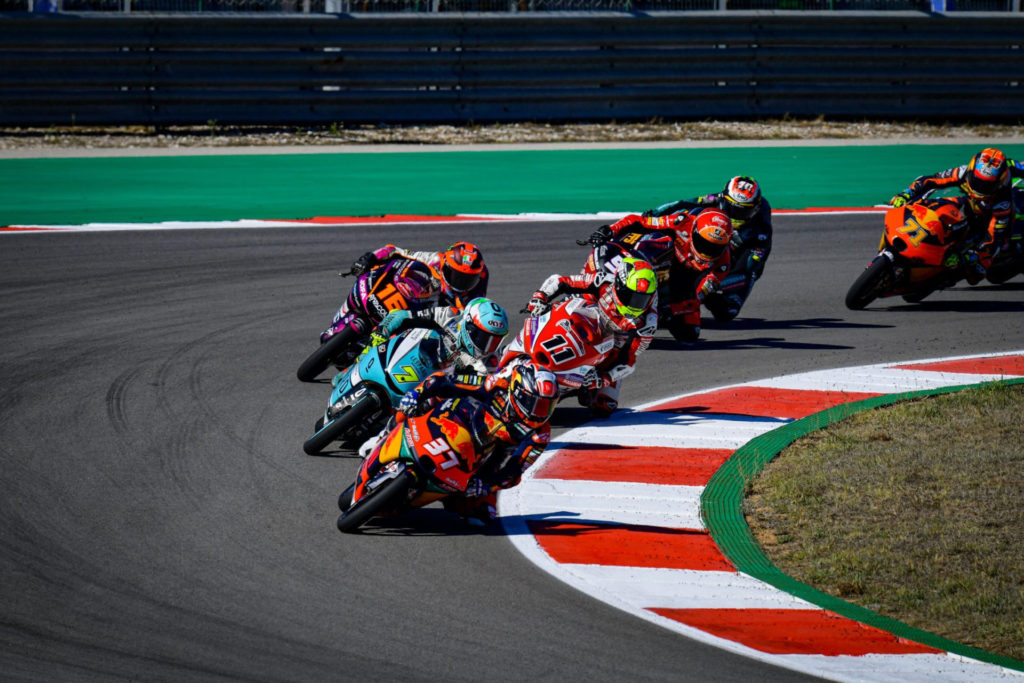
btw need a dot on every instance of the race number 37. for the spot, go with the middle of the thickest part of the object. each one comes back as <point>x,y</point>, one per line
<point>440,447</point>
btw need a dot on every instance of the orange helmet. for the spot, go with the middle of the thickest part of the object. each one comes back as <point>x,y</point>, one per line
<point>709,236</point>
<point>461,267</point>
<point>987,172</point>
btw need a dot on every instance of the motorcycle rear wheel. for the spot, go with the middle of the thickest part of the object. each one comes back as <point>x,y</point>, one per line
<point>1000,273</point>
<point>323,356</point>
<point>339,426</point>
<point>875,280</point>
<point>387,497</point>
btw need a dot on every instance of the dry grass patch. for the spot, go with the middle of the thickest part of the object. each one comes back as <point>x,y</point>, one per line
<point>913,511</point>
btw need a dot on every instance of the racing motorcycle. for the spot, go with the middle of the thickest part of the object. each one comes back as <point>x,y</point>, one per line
<point>567,339</point>
<point>367,392</point>
<point>915,243</point>
<point>395,285</point>
<point>422,460</point>
<point>652,245</point>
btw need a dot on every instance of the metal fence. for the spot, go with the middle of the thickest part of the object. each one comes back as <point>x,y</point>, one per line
<point>416,6</point>
<point>401,68</point>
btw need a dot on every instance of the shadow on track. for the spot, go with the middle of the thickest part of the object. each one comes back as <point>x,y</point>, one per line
<point>800,324</point>
<point>738,344</point>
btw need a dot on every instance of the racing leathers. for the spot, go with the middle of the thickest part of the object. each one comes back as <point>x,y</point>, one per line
<point>749,248</point>
<point>690,282</point>
<point>631,335</point>
<point>989,220</point>
<point>508,447</point>
<point>448,297</point>
<point>443,319</point>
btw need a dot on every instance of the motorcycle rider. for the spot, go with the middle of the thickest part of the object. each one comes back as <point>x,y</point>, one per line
<point>985,182</point>
<point>460,269</point>
<point>511,426</point>
<point>471,336</point>
<point>413,279</point>
<point>627,305</point>
<point>751,242</point>
<point>702,259</point>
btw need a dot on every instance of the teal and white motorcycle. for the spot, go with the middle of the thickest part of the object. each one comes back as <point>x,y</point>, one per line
<point>367,393</point>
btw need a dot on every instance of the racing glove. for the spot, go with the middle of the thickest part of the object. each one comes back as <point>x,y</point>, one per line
<point>538,304</point>
<point>601,235</point>
<point>364,263</point>
<point>708,286</point>
<point>899,200</point>
<point>736,241</point>
<point>410,403</point>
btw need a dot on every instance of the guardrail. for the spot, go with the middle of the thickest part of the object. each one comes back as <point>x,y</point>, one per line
<point>408,68</point>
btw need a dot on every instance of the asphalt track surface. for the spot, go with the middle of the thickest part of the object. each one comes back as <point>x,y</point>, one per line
<point>160,521</point>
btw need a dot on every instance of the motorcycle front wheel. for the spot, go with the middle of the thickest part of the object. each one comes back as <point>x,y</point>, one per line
<point>339,426</point>
<point>323,356</point>
<point>388,497</point>
<point>870,284</point>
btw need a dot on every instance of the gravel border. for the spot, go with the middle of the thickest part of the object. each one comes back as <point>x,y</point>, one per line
<point>58,141</point>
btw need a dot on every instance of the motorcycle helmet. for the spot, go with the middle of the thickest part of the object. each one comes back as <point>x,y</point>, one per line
<point>634,287</point>
<point>741,199</point>
<point>709,236</point>
<point>461,266</point>
<point>987,172</point>
<point>531,396</point>
<point>413,280</point>
<point>482,327</point>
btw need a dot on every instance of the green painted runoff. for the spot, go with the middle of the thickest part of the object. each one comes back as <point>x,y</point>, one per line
<point>294,186</point>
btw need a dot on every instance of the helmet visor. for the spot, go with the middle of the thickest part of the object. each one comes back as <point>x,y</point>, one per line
<point>705,248</point>
<point>483,341</point>
<point>413,283</point>
<point>740,212</point>
<point>981,188</point>
<point>631,302</point>
<point>457,280</point>
<point>532,408</point>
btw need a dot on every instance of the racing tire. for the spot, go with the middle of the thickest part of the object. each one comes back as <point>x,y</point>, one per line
<point>339,426</point>
<point>870,284</point>
<point>320,359</point>
<point>387,497</point>
<point>1000,273</point>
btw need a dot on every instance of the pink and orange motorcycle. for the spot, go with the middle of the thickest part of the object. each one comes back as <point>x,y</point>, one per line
<point>396,285</point>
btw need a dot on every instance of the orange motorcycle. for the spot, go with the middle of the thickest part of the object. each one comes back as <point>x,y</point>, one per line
<point>912,254</point>
<point>422,460</point>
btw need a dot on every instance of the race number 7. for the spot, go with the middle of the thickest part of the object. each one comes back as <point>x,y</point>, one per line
<point>440,447</point>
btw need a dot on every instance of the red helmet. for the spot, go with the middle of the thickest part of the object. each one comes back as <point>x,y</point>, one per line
<point>987,173</point>
<point>461,267</point>
<point>709,236</point>
<point>532,395</point>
